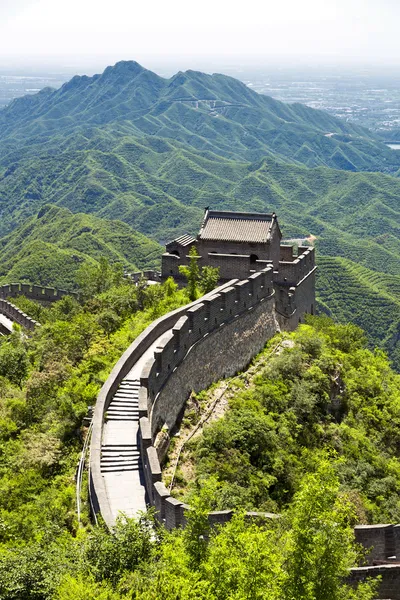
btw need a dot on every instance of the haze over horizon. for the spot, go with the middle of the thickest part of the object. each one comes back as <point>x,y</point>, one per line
<point>340,32</point>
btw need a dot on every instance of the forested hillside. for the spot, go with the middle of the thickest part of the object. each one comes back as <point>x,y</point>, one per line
<point>153,152</point>
<point>312,393</point>
<point>323,391</point>
<point>50,249</point>
<point>208,112</point>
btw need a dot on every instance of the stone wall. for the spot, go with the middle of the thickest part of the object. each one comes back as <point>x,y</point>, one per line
<point>15,314</point>
<point>200,343</point>
<point>288,272</point>
<point>389,587</point>
<point>222,353</point>
<point>98,495</point>
<point>33,292</point>
<point>214,339</point>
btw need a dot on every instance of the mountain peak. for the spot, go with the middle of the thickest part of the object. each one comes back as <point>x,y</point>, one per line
<point>124,67</point>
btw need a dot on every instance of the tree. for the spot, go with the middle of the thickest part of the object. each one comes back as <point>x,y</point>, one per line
<point>202,280</point>
<point>13,362</point>
<point>98,277</point>
<point>320,541</point>
<point>209,277</point>
<point>192,273</point>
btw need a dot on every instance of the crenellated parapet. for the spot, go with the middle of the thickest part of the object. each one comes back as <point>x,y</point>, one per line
<point>34,292</point>
<point>293,269</point>
<point>214,338</point>
<point>17,315</point>
<point>294,283</point>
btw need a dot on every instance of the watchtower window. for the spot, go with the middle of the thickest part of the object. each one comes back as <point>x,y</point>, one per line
<point>253,258</point>
<point>176,253</point>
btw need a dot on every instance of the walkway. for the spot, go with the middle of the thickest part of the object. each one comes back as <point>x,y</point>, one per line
<point>120,453</point>
<point>6,325</point>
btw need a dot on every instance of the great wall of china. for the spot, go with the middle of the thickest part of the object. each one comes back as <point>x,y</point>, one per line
<point>45,295</point>
<point>186,350</point>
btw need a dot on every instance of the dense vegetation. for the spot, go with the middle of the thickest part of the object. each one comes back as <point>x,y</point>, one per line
<point>49,249</point>
<point>153,153</point>
<point>326,388</point>
<point>320,391</point>
<point>305,555</point>
<point>47,382</point>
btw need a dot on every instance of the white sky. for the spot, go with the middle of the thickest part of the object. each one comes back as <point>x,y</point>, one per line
<point>321,31</point>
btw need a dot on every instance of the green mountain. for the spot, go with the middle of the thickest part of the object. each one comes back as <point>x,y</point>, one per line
<point>153,152</point>
<point>49,249</point>
<point>212,113</point>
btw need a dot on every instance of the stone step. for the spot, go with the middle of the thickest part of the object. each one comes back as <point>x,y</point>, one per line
<point>123,409</point>
<point>127,394</point>
<point>122,418</point>
<point>123,412</point>
<point>105,460</point>
<point>119,469</point>
<point>119,463</point>
<point>125,399</point>
<point>128,388</point>
<point>110,453</point>
<point>119,447</point>
<point>128,405</point>
<point>128,402</point>
<point>125,451</point>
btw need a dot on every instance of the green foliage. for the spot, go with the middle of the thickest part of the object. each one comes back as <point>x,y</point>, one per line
<point>192,273</point>
<point>47,382</point>
<point>13,360</point>
<point>56,247</point>
<point>97,278</point>
<point>320,541</point>
<point>199,281</point>
<point>110,554</point>
<point>156,171</point>
<point>323,389</point>
<point>304,555</point>
<point>209,277</point>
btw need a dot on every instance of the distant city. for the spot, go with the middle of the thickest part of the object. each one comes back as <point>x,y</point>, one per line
<point>366,98</point>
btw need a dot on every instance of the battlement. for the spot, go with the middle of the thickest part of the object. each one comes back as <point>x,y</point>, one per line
<point>199,321</point>
<point>34,292</point>
<point>293,269</point>
<point>18,316</point>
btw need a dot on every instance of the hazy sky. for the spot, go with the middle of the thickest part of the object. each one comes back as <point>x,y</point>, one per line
<point>279,30</point>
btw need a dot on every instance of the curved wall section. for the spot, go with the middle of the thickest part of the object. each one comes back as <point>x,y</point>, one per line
<point>97,489</point>
<point>34,292</point>
<point>15,314</point>
<point>214,339</point>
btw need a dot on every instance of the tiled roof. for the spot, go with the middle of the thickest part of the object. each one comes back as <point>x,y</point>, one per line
<point>183,240</point>
<point>236,227</point>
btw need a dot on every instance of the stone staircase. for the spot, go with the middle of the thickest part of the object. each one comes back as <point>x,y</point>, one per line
<point>123,410</point>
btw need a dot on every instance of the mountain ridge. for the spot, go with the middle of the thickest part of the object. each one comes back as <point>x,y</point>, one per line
<point>134,97</point>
